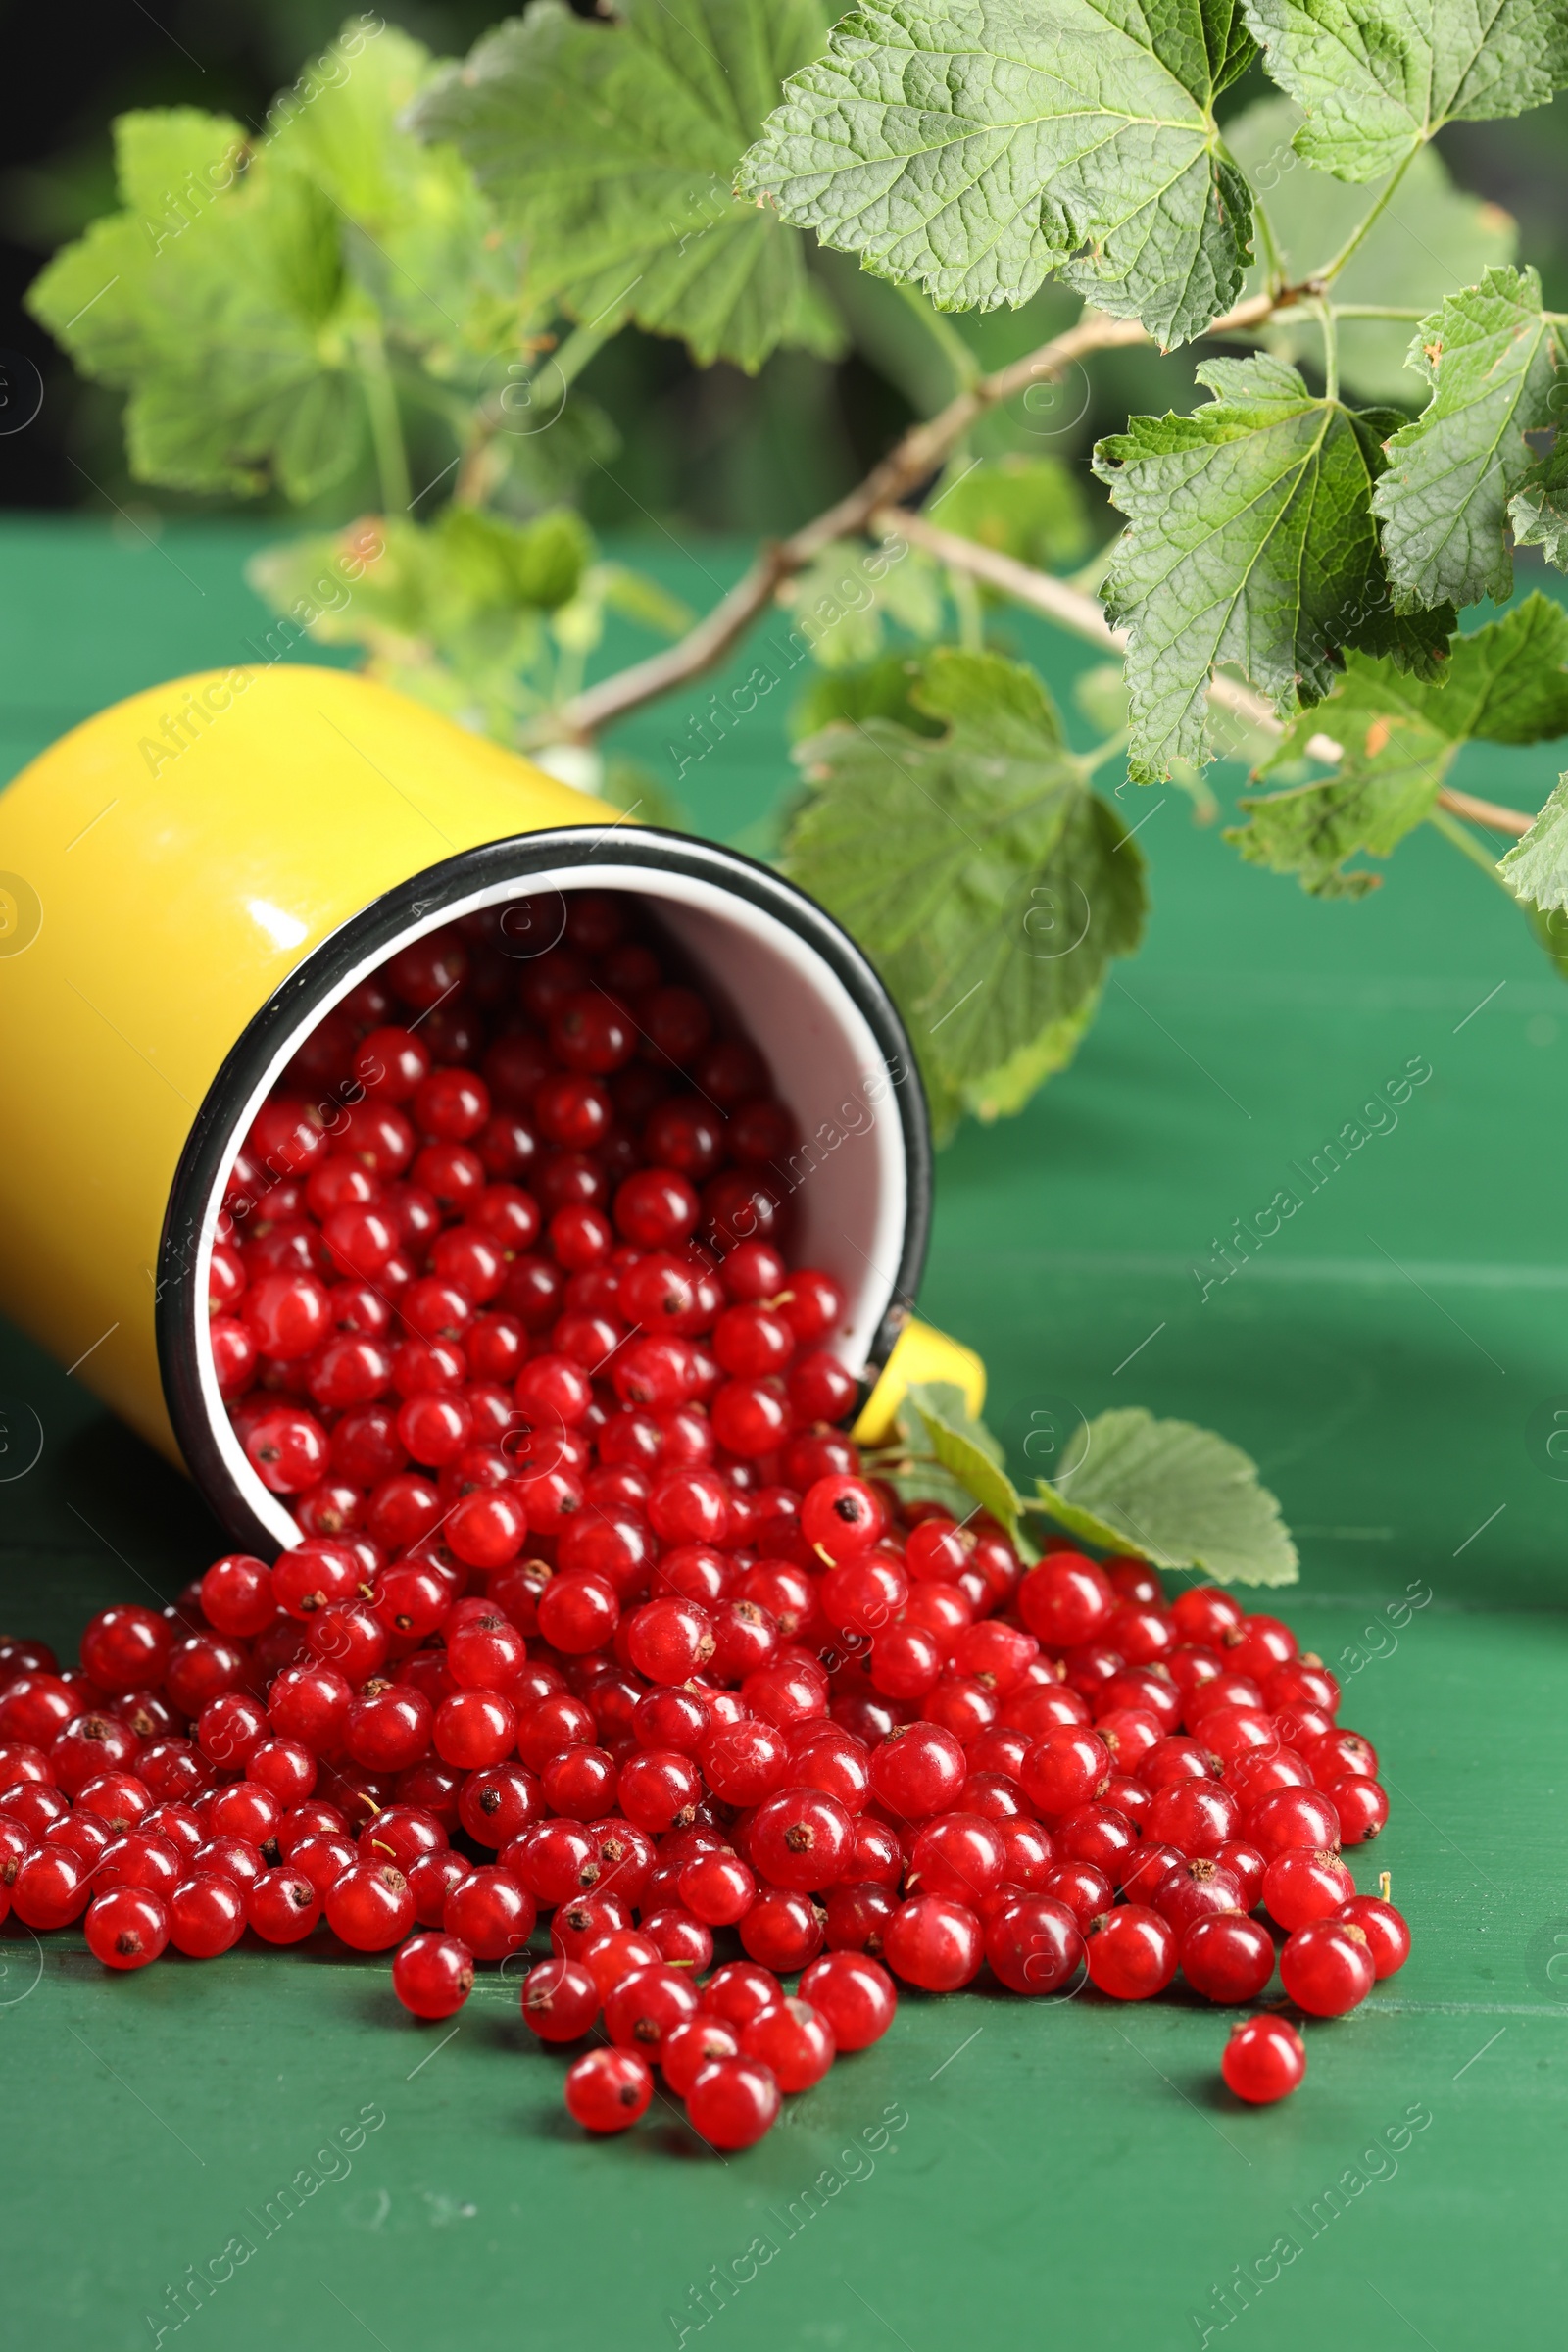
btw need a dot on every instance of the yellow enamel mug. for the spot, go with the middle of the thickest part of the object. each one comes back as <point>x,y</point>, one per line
<point>192,879</point>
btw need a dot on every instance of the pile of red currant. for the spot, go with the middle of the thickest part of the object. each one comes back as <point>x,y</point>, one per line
<point>596,1613</point>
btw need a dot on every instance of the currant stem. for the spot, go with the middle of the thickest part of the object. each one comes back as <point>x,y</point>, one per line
<point>386,427</point>
<point>1331,270</point>
<point>1331,350</point>
<point>1468,847</point>
<point>964,367</point>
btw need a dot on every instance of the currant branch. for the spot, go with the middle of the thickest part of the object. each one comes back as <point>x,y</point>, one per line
<point>914,460</point>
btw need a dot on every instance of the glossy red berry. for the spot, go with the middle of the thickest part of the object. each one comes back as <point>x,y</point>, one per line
<point>52,1887</point>
<point>1131,1952</point>
<point>1227,1956</point>
<point>935,1943</point>
<point>284,1906</point>
<point>1193,1890</point>
<point>738,1990</point>
<point>433,1976</point>
<point>856,1998</point>
<point>782,1931</point>
<point>125,1646</point>
<point>1360,1806</point>
<point>917,1771</point>
<point>126,1928</point>
<point>794,2039</point>
<point>206,1916</point>
<point>717,1888</point>
<point>1303,1884</point>
<point>1066,1599</point>
<point>1327,1967</point>
<point>1385,1929</point>
<point>560,2001</point>
<point>1197,1817</point>
<point>647,2004</point>
<point>687,2048</point>
<point>1033,1944</point>
<point>489,1914</point>
<point>607,2089</point>
<point>1264,2059</point>
<point>371,1907</point>
<point>1064,1769</point>
<point>1292,1817</point>
<point>800,1839</point>
<point>733,2103</point>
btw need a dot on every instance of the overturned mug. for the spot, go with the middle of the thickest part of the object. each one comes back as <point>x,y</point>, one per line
<point>194,878</point>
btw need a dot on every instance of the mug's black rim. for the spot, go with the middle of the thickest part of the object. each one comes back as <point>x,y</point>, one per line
<point>373,935</point>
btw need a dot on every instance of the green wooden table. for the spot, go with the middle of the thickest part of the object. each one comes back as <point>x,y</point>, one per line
<point>995,2169</point>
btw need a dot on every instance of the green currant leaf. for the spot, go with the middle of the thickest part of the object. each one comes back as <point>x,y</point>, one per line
<point>213,297</point>
<point>467,613</point>
<point>418,236</point>
<point>1506,682</point>
<point>1378,77</point>
<point>1172,1494</point>
<point>1539,508</point>
<point>987,882</point>
<point>245,293</point>
<point>1490,358</point>
<point>612,148</point>
<point>1394,765</point>
<point>881,690</point>
<point>977,145</point>
<point>1430,239</point>
<point>1536,868</point>
<point>1251,541</point>
<point>965,1449</point>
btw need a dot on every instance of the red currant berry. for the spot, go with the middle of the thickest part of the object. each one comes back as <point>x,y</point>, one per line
<point>934,1943</point>
<point>560,2001</point>
<point>1066,1599</point>
<point>1195,1815</point>
<point>1264,2059</point>
<point>1386,1933</point>
<point>801,1840</point>
<point>1193,1890</point>
<point>1227,1956</point>
<point>1360,1806</point>
<point>124,1646</point>
<point>738,1990</point>
<point>782,1931</point>
<point>237,1597</point>
<point>687,2048</point>
<point>1033,1945</point>
<point>371,1907</point>
<point>284,1906</point>
<point>206,1916</point>
<point>1301,1886</point>
<point>917,1771</point>
<point>1064,1769</point>
<point>647,2004</point>
<point>1131,1952</point>
<point>718,1889</point>
<point>489,1914</point>
<point>856,1998</point>
<point>126,1928</point>
<point>733,2103</point>
<point>1327,1967</point>
<point>606,2091</point>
